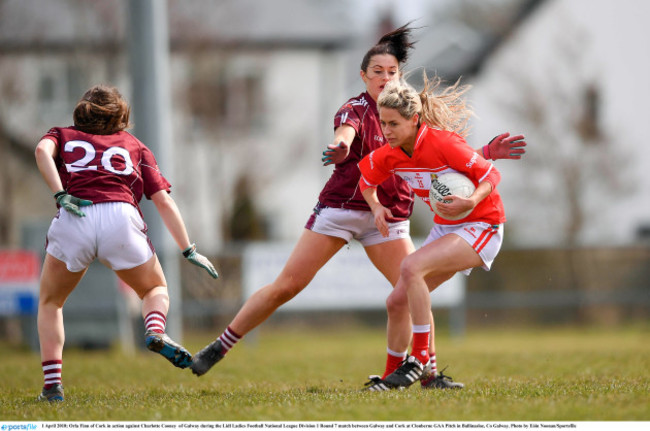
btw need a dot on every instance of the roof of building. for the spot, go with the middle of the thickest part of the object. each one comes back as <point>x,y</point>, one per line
<point>35,24</point>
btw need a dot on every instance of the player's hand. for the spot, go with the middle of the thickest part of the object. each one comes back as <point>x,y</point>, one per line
<point>382,215</point>
<point>199,260</point>
<point>454,205</point>
<point>71,204</point>
<point>335,153</point>
<point>505,146</point>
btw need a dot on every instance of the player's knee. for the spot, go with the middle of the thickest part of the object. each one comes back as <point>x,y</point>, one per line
<point>158,292</point>
<point>285,289</point>
<point>410,270</point>
<point>52,301</point>
<point>397,302</point>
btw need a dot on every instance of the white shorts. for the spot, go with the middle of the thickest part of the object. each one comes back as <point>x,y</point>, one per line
<point>485,239</point>
<point>354,224</point>
<point>112,232</point>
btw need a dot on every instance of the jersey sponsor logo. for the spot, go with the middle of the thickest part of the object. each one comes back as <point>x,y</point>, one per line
<point>417,180</point>
<point>359,102</point>
<point>420,180</point>
<point>379,138</point>
<point>472,160</point>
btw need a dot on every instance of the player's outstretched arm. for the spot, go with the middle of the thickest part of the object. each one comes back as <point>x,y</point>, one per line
<point>504,146</point>
<point>171,216</point>
<point>198,259</point>
<point>339,149</point>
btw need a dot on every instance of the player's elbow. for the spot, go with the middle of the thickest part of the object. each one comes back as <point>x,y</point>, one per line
<point>41,152</point>
<point>497,178</point>
<point>163,201</point>
<point>494,178</point>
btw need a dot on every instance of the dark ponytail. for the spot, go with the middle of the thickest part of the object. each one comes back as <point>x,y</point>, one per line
<point>396,43</point>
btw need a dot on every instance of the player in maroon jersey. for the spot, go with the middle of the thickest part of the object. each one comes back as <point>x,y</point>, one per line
<point>342,214</point>
<point>425,138</point>
<point>98,173</point>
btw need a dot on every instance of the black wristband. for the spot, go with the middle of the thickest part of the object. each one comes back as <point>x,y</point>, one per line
<point>189,250</point>
<point>57,195</point>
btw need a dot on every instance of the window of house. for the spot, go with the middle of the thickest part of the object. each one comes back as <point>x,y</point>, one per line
<point>588,124</point>
<point>241,101</point>
<point>59,89</point>
<point>227,98</point>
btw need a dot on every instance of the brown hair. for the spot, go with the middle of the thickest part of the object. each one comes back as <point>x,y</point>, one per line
<point>396,43</point>
<point>102,111</point>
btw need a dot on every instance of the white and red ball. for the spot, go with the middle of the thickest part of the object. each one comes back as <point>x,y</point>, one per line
<point>451,183</point>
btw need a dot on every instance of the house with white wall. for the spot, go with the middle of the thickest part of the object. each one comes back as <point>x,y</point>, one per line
<point>574,79</point>
<point>254,91</point>
<point>254,87</point>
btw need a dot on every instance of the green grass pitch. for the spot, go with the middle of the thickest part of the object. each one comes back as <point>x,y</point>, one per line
<point>552,374</point>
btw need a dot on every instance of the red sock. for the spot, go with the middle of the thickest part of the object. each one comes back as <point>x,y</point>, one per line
<point>421,342</point>
<point>155,321</point>
<point>393,361</point>
<point>52,372</point>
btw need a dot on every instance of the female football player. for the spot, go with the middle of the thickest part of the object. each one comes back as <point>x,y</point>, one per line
<point>98,173</point>
<point>424,133</point>
<point>342,214</point>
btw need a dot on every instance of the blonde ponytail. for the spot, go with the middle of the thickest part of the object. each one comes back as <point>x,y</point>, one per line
<point>446,110</point>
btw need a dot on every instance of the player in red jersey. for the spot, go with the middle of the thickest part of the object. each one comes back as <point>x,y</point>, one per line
<point>342,214</point>
<point>98,173</point>
<point>425,133</point>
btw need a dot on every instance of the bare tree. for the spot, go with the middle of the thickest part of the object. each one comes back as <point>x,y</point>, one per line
<point>572,163</point>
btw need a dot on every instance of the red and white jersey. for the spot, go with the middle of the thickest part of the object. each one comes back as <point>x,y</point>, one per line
<point>436,152</point>
<point>106,168</point>
<point>342,189</point>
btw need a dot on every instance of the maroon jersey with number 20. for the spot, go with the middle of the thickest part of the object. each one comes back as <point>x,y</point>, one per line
<point>106,168</point>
